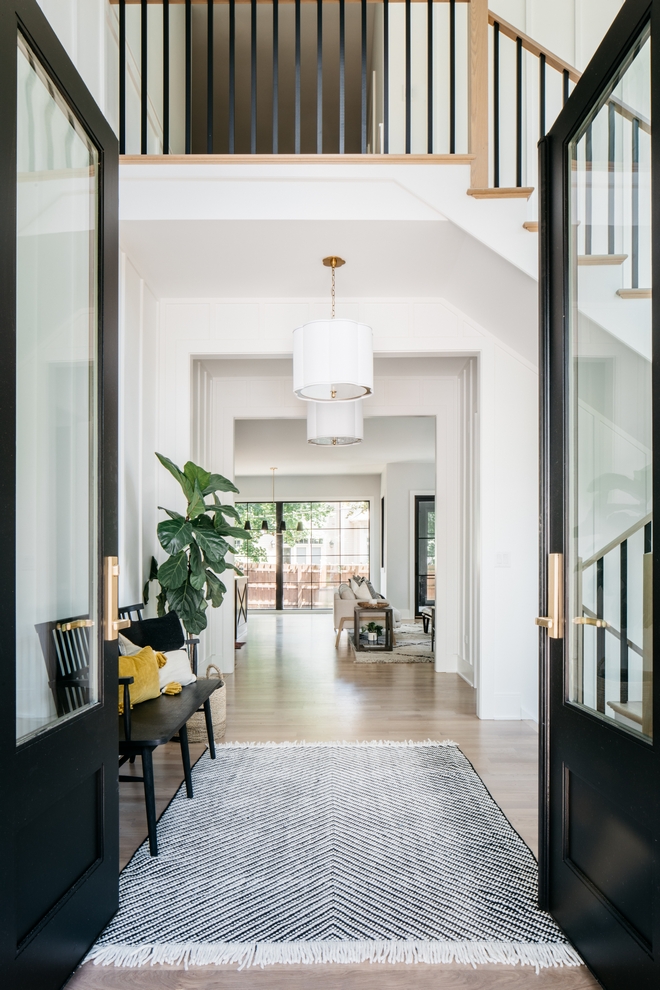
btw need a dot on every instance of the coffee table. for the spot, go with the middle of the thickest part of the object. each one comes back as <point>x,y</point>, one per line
<point>363,616</point>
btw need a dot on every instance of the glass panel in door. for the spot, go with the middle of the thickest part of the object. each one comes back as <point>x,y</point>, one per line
<point>424,551</point>
<point>609,434</point>
<point>56,406</point>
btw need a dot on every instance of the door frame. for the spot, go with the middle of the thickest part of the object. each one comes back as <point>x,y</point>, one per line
<point>69,927</point>
<point>553,368</point>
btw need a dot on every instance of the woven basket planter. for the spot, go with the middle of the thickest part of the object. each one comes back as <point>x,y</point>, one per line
<point>197,724</point>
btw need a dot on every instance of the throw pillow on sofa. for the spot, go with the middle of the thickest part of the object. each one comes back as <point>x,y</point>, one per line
<point>143,668</point>
<point>162,634</point>
<point>346,593</point>
<point>361,591</point>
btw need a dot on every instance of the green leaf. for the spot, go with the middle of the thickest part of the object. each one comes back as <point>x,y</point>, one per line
<point>195,473</point>
<point>153,570</point>
<point>145,594</point>
<point>174,571</point>
<point>216,590</point>
<point>171,513</point>
<point>187,602</point>
<point>177,473</point>
<point>197,621</point>
<point>197,575</point>
<point>160,603</point>
<point>233,531</point>
<point>174,534</point>
<point>214,546</point>
<point>217,483</point>
<point>196,504</point>
<point>216,565</point>
<point>227,510</point>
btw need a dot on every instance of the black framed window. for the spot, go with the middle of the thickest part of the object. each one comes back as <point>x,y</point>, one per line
<point>304,552</point>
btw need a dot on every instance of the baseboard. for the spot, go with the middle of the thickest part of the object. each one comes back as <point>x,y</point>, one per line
<point>466,670</point>
<point>527,716</point>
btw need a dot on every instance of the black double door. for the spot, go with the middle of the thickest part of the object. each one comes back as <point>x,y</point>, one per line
<point>600,769</point>
<point>58,522</point>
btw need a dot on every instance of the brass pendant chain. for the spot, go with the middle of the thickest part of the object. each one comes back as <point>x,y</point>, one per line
<point>333,292</point>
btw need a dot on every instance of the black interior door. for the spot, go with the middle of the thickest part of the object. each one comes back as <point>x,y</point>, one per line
<point>424,551</point>
<point>600,772</point>
<point>58,484</point>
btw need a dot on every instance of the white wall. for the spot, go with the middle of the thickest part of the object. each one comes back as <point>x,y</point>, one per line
<point>138,349</point>
<point>399,481</point>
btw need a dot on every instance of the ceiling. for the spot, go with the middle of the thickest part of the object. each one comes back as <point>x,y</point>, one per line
<point>246,259</point>
<point>261,444</point>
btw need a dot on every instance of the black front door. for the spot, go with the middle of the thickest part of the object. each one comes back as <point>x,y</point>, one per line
<point>424,551</point>
<point>600,769</point>
<point>58,525</point>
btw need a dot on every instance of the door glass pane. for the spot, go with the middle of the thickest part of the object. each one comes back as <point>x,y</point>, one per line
<point>56,407</point>
<point>609,626</point>
<point>425,552</point>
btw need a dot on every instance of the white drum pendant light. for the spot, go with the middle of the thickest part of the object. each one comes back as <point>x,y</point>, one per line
<point>333,359</point>
<point>335,424</point>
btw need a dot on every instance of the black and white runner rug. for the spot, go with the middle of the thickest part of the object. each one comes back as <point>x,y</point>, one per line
<point>333,852</point>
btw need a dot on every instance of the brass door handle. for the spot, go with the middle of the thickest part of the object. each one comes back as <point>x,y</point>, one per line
<point>587,620</point>
<point>554,620</point>
<point>111,621</point>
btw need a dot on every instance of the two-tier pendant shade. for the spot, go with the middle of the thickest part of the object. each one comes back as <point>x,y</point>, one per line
<point>335,424</point>
<point>333,360</point>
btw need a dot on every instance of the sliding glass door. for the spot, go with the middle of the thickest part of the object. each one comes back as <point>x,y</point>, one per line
<point>301,551</point>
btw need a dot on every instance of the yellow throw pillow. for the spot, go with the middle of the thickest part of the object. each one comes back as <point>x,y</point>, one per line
<point>143,668</point>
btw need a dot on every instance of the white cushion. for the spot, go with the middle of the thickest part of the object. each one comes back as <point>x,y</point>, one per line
<point>346,592</point>
<point>176,669</point>
<point>360,591</point>
<point>126,648</point>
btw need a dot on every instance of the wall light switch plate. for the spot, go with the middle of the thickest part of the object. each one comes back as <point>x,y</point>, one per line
<point>502,560</point>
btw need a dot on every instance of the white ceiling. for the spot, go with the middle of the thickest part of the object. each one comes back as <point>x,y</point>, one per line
<point>282,443</point>
<point>385,259</point>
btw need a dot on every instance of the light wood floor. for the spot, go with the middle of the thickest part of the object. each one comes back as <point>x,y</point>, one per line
<point>290,683</point>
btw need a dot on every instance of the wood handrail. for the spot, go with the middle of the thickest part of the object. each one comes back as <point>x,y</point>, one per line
<point>533,47</point>
<point>613,544</point>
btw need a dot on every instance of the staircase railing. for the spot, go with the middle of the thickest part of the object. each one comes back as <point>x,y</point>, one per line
<point>359,77</point>
<point>640,710</point>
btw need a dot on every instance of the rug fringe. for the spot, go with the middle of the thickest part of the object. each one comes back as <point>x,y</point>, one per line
<point>337,744</point>
<point>245,954</point>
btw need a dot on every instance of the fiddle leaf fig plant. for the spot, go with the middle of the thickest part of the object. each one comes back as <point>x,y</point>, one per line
<point>197,545</point>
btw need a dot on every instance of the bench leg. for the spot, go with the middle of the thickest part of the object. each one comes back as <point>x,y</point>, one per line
<point>209,727</point>
<point>185,756</point>
<point>150,800</point>
<point>342,622</point>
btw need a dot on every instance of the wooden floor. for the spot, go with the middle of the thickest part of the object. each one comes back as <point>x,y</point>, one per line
<point>290,683</point>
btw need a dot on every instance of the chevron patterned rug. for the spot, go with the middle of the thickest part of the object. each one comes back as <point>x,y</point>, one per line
<point>333,852</point>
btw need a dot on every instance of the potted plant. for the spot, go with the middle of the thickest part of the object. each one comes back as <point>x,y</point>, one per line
<point>196,544</point>
<point>373,632</point>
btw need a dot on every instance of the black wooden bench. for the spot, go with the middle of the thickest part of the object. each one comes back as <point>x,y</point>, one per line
<point>152,723</point>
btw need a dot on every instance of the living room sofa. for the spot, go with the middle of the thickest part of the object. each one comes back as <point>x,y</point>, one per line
<point>344,603</point>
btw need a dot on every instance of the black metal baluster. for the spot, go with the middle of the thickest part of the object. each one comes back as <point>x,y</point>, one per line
<point>232,76</point>
<point>452,77</point>
<point>166,77</point>
<point>363,108</point>
<point>209,77</point>
<point>253,77</point>
<point>429,75</point>
<point>541,95</point>
<point>297,97</point>
<point>188,70</point>
<point>122,77</point>
<point>634,245</point>
<point>319,77</point>
<point>408,78</point>
<point>276,72</point>
<point>611,153</point>
<point>623,675</point>
<point>386,77</point>
<point>567,79</point>
<point>519,113</point>
<point>144,38</point>
<point>342,76</point>
<point>496,104</point>
<point>600,640</point>
<point>588,189</point>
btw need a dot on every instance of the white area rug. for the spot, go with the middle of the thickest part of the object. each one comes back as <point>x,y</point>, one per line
<point>413,645</point>
<point>333,852</point>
